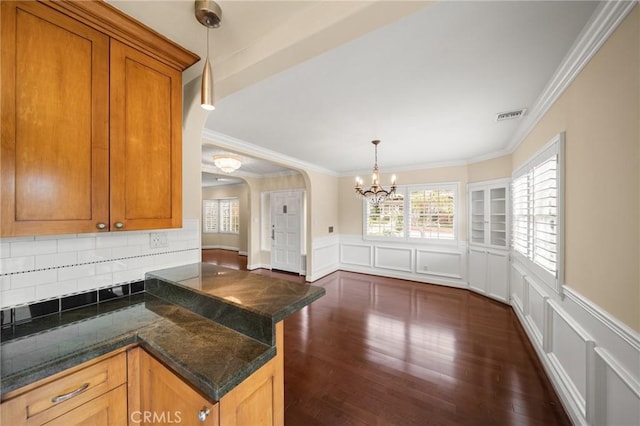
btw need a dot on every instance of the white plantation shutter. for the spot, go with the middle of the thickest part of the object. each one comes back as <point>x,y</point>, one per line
<point>221,215</point>
<point>230,215</point>
<point>537,211</point>
<point>521,234</point>
<point>416,212</point>
<point>432,213</point>
<point>210,215</point>
<point>545,214</point>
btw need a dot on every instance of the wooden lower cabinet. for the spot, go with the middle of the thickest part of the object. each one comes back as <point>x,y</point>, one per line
<point>131,387</point>
<point>258,400</point>
<point>158,397</point>
<point>94,393</point>
<point>106,410</point>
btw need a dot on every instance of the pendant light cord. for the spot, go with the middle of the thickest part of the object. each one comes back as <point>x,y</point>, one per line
<point>208,42</point>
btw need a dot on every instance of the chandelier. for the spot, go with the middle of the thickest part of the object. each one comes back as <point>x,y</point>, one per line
<point>227,163</point>
<point>376,194</point>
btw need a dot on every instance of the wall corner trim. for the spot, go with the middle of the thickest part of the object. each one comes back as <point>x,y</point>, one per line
<point>604,21</point>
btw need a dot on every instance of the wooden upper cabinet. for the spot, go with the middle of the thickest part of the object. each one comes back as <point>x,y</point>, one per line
<point>146,149</point>
<point>91,121</point>
<point>55,134</point>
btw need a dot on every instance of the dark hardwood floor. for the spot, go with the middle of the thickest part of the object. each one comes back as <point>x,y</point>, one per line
<point>379,351</point>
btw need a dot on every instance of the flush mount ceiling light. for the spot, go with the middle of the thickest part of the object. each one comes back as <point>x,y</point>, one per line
<point>376,194</point>
<point>209,14</point>
<point>227,163</point>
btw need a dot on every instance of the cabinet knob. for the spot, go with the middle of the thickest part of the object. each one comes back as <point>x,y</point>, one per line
<point>119,225</point>
<point>202,414</point>
<point>101,225</point>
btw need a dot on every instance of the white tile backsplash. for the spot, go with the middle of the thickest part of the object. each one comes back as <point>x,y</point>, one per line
<point>36,268</point>
<point>77,244</point>
<point>47,291</point>
<point>30,248</point>
<point>18,296</point>
<point>5,250</point>
<point>97,255</point>
<point>34,278</point>
<point>56,260</point>
<point>5,282</point>
<point>17,264</point>
<point>76,272</point>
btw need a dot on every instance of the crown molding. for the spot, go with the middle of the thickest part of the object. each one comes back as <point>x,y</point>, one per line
<point>604,21</point>
<point>602,24</point>
<point>229,142</point>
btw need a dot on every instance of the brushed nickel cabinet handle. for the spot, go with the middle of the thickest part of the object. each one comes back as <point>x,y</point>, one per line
<point>69,395</point>
<point>101,225</point>
<point>202,414</point>
<point>119,225</point>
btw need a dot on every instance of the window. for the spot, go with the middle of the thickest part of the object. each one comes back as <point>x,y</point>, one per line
<point>537,212</point>
<point>427,210</point>
<point>221,216</point>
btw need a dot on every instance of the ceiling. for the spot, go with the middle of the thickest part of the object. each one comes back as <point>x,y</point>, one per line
<point>428,84</point>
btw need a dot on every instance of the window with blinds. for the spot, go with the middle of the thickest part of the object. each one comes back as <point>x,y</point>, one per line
<point>210,216</point>
<point>221,216</point>
<point>537,211</point>
<point>387,219</point>
<point>416,212</point>
<point>432,214</point>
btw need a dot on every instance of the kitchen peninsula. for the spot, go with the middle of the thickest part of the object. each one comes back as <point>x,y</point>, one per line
<point>201,343</point>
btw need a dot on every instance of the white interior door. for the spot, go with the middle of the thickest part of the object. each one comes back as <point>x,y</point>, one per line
<point>286,221</point>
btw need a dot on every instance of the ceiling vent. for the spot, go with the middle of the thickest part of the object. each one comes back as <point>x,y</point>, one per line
<point>510,115</point>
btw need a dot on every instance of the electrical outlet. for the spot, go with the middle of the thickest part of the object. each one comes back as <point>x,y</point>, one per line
<point>158,240</point>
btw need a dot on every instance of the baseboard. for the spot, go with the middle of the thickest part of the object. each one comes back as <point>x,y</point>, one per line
<point>220,247</point>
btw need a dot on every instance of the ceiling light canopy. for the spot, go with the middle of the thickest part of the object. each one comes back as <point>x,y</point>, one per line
<point>209,14</point>
<point>376,194</point>
<point>227,163</point>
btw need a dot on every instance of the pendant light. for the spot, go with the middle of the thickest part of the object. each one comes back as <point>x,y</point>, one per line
<point>209,14</point>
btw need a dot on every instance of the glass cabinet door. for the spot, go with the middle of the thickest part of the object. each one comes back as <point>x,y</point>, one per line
<point>498,216</point>
<point>477,217</point>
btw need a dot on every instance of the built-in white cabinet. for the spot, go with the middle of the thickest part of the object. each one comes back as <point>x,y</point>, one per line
<point>489,238</point>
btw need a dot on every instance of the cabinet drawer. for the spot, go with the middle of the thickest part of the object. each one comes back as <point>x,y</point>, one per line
<point>55,398</point>
<point>109,409</point>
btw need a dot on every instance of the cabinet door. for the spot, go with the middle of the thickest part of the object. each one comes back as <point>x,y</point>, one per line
<point>498,216</point>
<point>146,141</point>
<point>478,217</point>
<point>259,399</point>
<point>55,135</point>
<point>478,270</point>
<point>498,275</point>
<point>158,397</point>
<point>109,409</point>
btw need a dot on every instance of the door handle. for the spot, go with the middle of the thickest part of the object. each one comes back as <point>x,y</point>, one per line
<point>273,234</point>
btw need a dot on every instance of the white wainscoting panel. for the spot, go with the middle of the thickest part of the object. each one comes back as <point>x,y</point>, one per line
<point>427,262</point>
<point>617,392</point>
<point>569,351</point>
<point>325,258</point>
<point>516,283</point>
<point>356,254</point>
<point>592,359</point>
<point>441,263</point>
<point>394,258</point>
<point>535,308</point>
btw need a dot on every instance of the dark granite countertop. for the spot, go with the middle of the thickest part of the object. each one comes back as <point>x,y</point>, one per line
<point>203,345</point>
<point>249,303</point>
